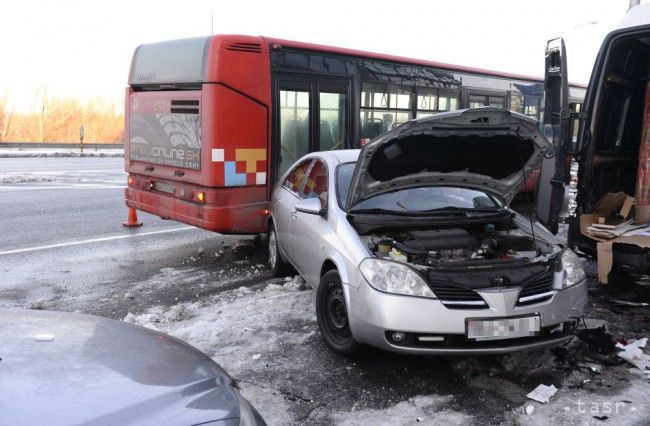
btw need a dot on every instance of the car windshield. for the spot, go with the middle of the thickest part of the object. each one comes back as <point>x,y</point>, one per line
<point>419,199</point>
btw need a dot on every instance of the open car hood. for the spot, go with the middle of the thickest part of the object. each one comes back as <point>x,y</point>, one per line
<point>489,149</point>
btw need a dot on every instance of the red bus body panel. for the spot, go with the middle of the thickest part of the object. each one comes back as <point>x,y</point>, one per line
<point>232,169</point>
<point>234,105</point>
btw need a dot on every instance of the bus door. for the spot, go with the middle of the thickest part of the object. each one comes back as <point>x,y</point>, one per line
<point>310,114</point>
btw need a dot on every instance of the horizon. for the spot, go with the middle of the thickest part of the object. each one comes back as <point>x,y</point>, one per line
<point>88,59</point>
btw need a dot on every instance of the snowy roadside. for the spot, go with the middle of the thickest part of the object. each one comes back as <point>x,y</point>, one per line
<point>104,176</point>
<point>267,338</point>
<point>89,151</point>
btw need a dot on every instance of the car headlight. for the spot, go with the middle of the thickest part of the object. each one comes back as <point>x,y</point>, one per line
<point>393,277</point>
<point>573,270</point>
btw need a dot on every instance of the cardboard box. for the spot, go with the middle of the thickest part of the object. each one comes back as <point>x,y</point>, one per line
<point>610,203</point>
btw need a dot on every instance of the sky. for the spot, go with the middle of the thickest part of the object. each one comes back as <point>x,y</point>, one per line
<point>82,49</point>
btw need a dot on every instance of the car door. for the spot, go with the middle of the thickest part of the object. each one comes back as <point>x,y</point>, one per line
<point>307,229</point>
<point>556,126</point>
<point>284,201</point>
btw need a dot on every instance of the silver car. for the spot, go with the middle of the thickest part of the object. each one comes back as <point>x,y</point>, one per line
<point>412,247</point>
<point>61,368</point>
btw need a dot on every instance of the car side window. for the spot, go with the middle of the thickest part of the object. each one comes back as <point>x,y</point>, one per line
<point>296,178</point>
<point>316,184</point>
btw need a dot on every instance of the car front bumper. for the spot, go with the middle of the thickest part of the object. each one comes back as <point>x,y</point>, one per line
<point>374,315</point>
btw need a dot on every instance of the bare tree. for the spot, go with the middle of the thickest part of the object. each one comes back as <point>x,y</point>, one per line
<point>6,115</point>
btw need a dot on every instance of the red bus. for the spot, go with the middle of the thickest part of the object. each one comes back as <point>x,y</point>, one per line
<point>213,122</point>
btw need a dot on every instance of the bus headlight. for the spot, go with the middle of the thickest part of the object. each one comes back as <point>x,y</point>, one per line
<point>394,277</point>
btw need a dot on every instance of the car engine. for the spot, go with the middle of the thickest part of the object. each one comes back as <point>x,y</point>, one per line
<point>440,247</point>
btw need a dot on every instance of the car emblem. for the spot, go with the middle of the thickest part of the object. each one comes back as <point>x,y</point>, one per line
<point>499,281</point>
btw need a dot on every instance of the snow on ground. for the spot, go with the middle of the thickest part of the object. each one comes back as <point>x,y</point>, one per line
<point>242,330</point>
<point>89,151</point>
<point>261,337</point>
<point>117,177</point>
<point>267,338</point>
<point>23,178</point>
<point>426,410</point>
<point>583,407</point>
<point>239,328</point>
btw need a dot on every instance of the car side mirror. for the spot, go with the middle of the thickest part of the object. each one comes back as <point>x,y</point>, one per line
<point>310,206</point>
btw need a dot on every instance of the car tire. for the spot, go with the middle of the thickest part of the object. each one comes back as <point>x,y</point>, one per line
<point>331,312</point>
<point>276,263</point>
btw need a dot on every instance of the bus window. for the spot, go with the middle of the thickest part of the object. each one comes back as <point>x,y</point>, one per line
<point>430,101</point>
<point>383,107</point>
<point>427,102</point>
<point>531,105</point>
<point>447,99</point>
<point>516,102</point>
<point>476,101</point>
<point>333,114</point>
<point>294,127</point>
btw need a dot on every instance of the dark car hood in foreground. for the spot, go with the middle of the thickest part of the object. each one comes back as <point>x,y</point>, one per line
<point>100,371</point>
<point>487,148</point>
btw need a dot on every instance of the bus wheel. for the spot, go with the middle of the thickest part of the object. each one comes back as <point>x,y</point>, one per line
<point>276,263</point>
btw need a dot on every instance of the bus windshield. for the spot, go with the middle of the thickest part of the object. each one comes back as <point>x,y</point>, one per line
<point>176,61</point>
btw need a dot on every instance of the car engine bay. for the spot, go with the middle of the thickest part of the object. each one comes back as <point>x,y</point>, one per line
<point>457,246</point>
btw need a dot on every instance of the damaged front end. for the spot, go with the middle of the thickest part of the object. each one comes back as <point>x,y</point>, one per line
<point>487,273</point>
<point>429,202</point>
<point>459,262</point>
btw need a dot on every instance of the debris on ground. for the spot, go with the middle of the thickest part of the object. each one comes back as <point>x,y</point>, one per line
<point>633,353</point>
<point>39,304</point>
<point>297,283</point>
<point>542,393</point>
<point>598,339</point>
<point>530,409</point>
<point>628,303</point>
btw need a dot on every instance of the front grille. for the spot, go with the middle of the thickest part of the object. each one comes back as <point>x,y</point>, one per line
<point>536,289</point>
<point>457,297</point>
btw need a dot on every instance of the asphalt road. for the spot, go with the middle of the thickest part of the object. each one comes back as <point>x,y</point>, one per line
<point>63,245</point>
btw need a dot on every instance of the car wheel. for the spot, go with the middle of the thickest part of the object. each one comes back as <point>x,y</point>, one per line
<point>332,315</point>
<point>277,265</point>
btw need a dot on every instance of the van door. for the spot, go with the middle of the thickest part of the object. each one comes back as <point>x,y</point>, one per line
<point>553,173</point>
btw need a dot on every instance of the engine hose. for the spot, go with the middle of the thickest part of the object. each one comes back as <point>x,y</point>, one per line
<point>403,248</point>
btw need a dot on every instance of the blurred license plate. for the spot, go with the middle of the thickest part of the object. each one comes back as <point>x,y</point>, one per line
<point>163,187</point>
<point>505,328</point>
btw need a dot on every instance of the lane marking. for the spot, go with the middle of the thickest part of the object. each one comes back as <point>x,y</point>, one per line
<point>62,172</point>
<point>94,240</point>
<point>40,188</point>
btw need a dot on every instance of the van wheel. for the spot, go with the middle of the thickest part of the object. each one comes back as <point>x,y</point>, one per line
<point>276,263</point>
<point>332,315</point>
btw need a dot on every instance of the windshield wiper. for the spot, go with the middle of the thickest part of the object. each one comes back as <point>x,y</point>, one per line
<point>452,209</point>
<point>380,211</point>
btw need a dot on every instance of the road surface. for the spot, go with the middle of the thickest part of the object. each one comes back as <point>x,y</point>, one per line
<point>63,247</point>
<point>62,236</point>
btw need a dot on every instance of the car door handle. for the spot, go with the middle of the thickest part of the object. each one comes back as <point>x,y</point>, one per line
<point>294,214</point>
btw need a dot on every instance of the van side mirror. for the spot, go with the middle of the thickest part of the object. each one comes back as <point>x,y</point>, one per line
<point>310,206</point>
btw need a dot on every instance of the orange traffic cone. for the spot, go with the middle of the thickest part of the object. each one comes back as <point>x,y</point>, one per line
<point>132,220</point>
